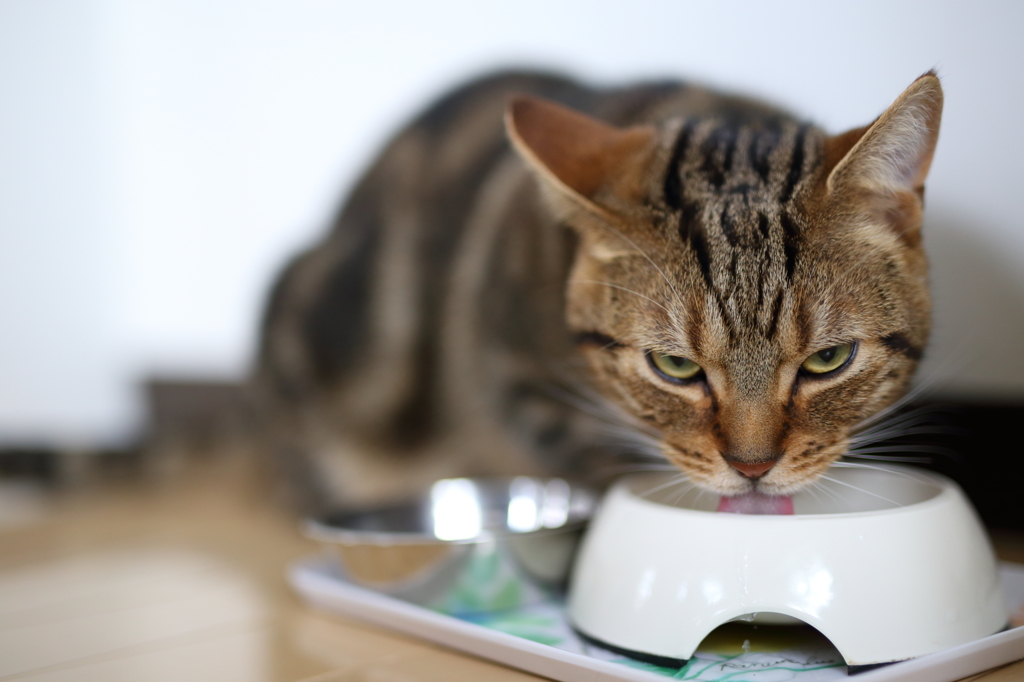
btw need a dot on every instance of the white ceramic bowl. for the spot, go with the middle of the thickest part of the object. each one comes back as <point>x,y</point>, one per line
<point>888,563</point>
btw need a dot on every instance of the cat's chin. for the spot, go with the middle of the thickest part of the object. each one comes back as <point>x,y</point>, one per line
<point>736,486</point>
<point>744,496</point>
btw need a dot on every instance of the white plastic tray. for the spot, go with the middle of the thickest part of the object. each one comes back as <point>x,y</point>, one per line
<point>539,641</point>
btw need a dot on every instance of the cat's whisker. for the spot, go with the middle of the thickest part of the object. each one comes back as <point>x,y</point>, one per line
<point>573,400</point>
<point>656,457</point>
<point>679,479</point>
<point>671,286</point>
<point>829,494</point>
<point>694,489</point>
<point>630,433</point>
<point>905,472</point>
<point>888,431</point>
<point>595,403</point>
<point>611,471</point>
<point>813,491</point>
<point>912,418</point>
<point>647,465</point>
<point>890,458</point>
<point>617,428</point>
<point>906,451</point>
<point>933,449</point>
<point>911,431</point>
<point>700,494</point>
<point>680,496</point>
<point>832,494</point>
<point>924,384</point>
<point>636,450</point>
<point>915,392</point>
<point>859,489</point>
<point>885,412</point>
<point>621,288</point>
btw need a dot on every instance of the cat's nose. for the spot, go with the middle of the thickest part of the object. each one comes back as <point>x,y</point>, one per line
<point>752,469</point>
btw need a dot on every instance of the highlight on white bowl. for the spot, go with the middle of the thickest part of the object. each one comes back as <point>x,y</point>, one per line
<point>889,563</point>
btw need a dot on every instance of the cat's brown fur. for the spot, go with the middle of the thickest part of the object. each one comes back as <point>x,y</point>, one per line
<point>435,331</point>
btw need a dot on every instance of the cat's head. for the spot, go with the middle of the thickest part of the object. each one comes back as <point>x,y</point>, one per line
<point>749,286</point>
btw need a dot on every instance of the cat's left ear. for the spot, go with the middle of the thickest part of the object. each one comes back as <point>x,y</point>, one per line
<point>595,166</point>
<point>889,160</point>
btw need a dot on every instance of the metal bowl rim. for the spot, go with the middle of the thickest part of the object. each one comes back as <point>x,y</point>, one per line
<point>317,529</point>
<point>321,532</point>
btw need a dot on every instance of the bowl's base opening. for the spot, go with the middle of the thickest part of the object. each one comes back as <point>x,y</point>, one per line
<point>653,659</point>
<point>676,663</point>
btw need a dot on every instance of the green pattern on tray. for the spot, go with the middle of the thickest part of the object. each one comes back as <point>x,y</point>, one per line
<point>736,652</point>
<point>486,584</point>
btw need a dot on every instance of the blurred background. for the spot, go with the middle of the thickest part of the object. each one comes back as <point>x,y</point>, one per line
<point>159,161</point>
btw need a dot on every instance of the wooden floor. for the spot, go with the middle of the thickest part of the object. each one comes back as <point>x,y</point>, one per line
<point>183,580</point>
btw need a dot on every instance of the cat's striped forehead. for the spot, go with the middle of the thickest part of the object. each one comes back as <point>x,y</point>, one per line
<point>731,188</point>
<point>760,160</point>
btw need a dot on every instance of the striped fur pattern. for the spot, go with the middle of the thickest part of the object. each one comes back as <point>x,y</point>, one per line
<point>485,308</point>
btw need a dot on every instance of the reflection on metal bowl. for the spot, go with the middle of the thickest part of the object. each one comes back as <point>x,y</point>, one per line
<point>468,545</point>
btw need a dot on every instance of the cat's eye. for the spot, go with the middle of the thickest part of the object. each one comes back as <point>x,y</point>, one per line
<point>828,359</point>
<point>673,367</point>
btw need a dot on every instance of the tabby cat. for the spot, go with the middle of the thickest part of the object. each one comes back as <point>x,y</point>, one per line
<point>534,268</point>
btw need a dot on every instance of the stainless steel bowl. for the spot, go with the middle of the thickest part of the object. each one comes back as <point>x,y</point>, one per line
<point>467,545</point>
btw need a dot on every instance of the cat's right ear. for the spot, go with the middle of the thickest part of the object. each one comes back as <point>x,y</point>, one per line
<point>587,163</point>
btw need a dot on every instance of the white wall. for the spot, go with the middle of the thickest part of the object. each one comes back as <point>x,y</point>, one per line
<point>159,159</point>
<point>60,372</point>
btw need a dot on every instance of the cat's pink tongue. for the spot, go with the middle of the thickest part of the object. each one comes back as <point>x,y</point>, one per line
<point>756,503</point>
